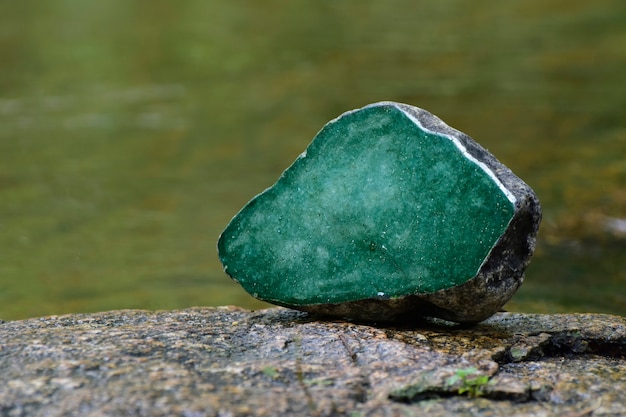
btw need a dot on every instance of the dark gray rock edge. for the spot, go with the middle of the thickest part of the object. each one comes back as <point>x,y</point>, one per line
<point>500,275</point>
<point>232,362</point>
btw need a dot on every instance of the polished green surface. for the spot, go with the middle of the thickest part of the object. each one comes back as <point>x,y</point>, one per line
<point>375,207</point>
<point>131,132</point>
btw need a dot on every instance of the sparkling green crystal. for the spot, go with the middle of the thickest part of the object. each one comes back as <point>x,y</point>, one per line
<point>377,207</point>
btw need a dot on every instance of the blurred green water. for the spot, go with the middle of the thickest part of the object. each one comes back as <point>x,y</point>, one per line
<point>131,132</point>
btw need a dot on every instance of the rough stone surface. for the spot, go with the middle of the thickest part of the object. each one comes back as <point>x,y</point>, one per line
<point>278,362</point>
<point>389,213</point>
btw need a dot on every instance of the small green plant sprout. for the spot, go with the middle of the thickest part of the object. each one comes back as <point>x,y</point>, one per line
<point>270,371</point>
<point>474,386</point>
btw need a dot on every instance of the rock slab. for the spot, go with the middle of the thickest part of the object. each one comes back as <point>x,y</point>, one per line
<point>279,362</point>
<point>388,214</point>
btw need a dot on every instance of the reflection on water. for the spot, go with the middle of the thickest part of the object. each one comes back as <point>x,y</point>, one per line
<point>130,132</point>
<point>69,112</point>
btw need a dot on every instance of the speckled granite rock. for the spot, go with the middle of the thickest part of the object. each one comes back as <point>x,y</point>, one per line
<point>278,362</point>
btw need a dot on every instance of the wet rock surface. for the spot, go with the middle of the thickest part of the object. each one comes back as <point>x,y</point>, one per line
<point>278,362</point>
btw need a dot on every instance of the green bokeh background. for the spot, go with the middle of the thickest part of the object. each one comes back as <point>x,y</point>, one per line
<point>131,132</point>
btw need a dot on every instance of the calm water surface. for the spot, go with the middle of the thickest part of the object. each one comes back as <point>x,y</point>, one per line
<point>131,132</point>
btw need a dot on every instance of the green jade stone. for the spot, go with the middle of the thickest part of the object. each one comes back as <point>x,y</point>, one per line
<point>378,208</point>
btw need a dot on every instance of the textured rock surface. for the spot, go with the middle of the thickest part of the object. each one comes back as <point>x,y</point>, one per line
<point>279,362</point>
<point>388,213</point>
